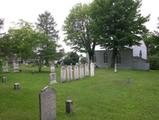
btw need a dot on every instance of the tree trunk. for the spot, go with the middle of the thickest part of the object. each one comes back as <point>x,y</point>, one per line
<point>114,57</point>
<point>40,65</point>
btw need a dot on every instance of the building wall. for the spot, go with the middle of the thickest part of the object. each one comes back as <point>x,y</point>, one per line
<point>128,61</point>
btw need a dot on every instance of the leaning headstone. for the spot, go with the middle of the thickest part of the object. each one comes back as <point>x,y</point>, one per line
<point>52,74</point>
<point>47,99</point>
<point>92,69</point>
<point>63,73</point>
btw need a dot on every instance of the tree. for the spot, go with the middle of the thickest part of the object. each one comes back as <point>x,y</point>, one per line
<point>78,29</point>
<point>46,24</point>
<point>71,58</point>
<point>47,47</point>
<point>1,25</point>
<point>119,24</point>
<point>22,40</point>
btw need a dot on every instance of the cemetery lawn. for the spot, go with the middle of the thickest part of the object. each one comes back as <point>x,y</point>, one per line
<point>107,96</point>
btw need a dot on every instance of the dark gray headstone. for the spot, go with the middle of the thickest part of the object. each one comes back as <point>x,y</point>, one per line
<point>47,99</point>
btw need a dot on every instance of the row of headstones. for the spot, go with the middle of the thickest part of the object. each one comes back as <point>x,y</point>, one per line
<point>76,72</point>
<point>5,68</point>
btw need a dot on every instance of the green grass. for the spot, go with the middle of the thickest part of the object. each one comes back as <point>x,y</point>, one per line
<point>107,96</point>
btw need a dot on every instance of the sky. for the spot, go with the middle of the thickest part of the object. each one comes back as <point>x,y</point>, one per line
<point>13,10</point>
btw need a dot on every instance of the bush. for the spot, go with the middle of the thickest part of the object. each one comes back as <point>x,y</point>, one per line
<point>154,62</point>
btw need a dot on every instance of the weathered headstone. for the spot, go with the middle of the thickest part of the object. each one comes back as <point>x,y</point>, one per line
<point>86,69</point>
<point>63,73</point>
<point>53,78</point>
<point>115,67</point>
<point>92,72</point>
<point>4,79</point>
<point>15,66</point>
<point>75,72</point>
<point>5,67</point>
<point>52,74</point>
<point>68,73</point>
<point>47,99</point>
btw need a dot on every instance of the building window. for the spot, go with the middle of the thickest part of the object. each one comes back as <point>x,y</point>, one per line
<point>105,57</point>
<point>118,58</point>
<point>140,54</point>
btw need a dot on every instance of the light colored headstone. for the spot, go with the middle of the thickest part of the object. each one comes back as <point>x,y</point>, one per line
<point>115,68</point>
<point>5,68</point>
<point>81,70</point>
<point>52,68</point>
<point>75,72</point>
<point>92,69</point>
<point>63,74</point>
<point>53,78</point>
<point>68,73</point>
<point>15,66</point>
<point>52,74</point>
<point>86,69</point>
<point>47,99</point>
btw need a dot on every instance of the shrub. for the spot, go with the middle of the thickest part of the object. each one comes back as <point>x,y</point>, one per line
<point>154,62</point>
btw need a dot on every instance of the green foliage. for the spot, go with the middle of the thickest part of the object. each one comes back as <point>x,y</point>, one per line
<point>21,40</point>
<point>83,60</point>
<point>46,24</point>
<point>154,62</point>
<point>119,23</point>
<point>78,30</point>
<point>71,58</point>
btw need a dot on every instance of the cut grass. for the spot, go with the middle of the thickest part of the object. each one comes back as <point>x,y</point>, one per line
<point>107,96</point>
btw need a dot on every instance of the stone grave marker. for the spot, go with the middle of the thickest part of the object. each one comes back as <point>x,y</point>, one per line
<point>15,67</point>
<point>52,74</point>
<point>68,73</point>
<point>47,101</point>
<point>5,68</point>
<point>92,69</point>
<point>63,73</point>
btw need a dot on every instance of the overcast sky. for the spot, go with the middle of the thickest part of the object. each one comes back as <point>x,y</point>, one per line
<point>13,10</point>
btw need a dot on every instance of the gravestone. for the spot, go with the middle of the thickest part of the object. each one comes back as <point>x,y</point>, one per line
<point>4,79</point>
<point>52,74</point>
<point>15,66</point>
<point>5,68</point>
<point>80,71</point>
<point>92,69</point>
<point>16,86</point>
<point>86,69</point>
<point>115,67</point>
<point>63,73</point>
<point>68,73</point>
<point>47,100</point>
<point>53,78</point>
<point>75,72</point>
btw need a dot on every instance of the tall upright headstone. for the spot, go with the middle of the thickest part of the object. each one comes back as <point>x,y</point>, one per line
<point>63,73</point>
<point>5,67</point>
<point>92,69</point>
<point>75,72</point>
<point>52,74</point>
<point>86,65</point>
<point>68,73</point>
<point>47,101</point>
<point>15,66</point>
